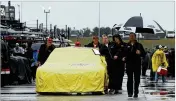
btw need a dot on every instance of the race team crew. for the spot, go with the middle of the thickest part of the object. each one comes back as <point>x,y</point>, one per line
<point>118,54</point>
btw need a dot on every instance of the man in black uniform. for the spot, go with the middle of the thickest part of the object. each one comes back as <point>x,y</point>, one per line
<point>105,50</point>
<point>118,52</point>
<point>135,51</point>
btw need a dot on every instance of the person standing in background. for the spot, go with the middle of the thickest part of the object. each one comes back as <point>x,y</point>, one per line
<point>159,59</point>
<point>171,68</point>
<point>146,63</point>
<point>77,43</point>
<point>45,51</point>
<point>29,55</point>
<point>18,49</point>
<point>29,51</point>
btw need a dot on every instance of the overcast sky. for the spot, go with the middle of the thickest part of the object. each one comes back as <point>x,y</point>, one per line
<point>86,14</point>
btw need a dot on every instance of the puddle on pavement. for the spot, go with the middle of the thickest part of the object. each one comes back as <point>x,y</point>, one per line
<point>164,91</point>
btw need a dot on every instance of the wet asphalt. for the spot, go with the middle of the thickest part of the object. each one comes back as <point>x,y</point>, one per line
<point>148,91</point>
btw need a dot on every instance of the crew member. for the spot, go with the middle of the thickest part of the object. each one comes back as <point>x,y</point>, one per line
<point>118,52</point>
<point>105,50</point>
<point>135,51</point>
<point>45,51</point>
<point>95,43</point>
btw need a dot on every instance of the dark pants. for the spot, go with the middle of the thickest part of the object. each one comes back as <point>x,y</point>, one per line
<point>152,74</point>
<point>136,71</point>
<point>34,68</point>
<point>119,70</point>
<point>116,73</point>
<point>144,69</point>
<point>110,74</point>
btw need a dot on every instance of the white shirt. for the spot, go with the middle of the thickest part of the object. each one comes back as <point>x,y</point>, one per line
<point>19,50</point>
<point>106,45</point>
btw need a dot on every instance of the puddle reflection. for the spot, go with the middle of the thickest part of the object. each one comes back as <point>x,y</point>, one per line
<point>162,91</point>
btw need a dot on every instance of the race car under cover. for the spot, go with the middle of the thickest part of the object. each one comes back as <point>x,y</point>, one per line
<point>73,70</point>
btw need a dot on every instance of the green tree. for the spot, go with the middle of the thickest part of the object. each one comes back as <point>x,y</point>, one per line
<point>86,32</point>
<point>108,30</point>
<point>95,31</point>
<point>105,30</point>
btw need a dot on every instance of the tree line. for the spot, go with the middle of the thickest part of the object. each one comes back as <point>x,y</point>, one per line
<point>85,32</point>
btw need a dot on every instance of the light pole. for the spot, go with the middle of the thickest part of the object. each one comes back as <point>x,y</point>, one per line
<point>138,33</point>
<point>99,22</point>
<point>47,16</point>
<point>19,12</point>
<point>37,25</point>
<point>66,30</point>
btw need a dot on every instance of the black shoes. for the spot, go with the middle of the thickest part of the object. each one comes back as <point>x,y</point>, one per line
<point>130,95</point>
<point>135,95</point>
<point>112,91</point>
<point>106,91</point>
<point>118,92</point>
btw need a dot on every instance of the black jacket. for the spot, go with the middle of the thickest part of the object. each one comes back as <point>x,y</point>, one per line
<point>131,56</point>
<point>106,51</point>
<point>29,53</point>
<point>118,50</point>
<point>4,51</point>
<point>92,45</point>
<point>44,53</point>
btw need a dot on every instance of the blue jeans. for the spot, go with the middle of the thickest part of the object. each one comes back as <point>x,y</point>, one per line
<point>156,77</point>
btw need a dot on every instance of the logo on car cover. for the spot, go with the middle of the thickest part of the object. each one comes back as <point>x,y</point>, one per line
<point>82,64</point>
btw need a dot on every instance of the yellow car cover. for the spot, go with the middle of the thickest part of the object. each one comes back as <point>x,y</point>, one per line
<point>72,69</point>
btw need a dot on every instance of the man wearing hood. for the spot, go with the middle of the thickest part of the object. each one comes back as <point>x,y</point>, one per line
<point>135,51</point>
